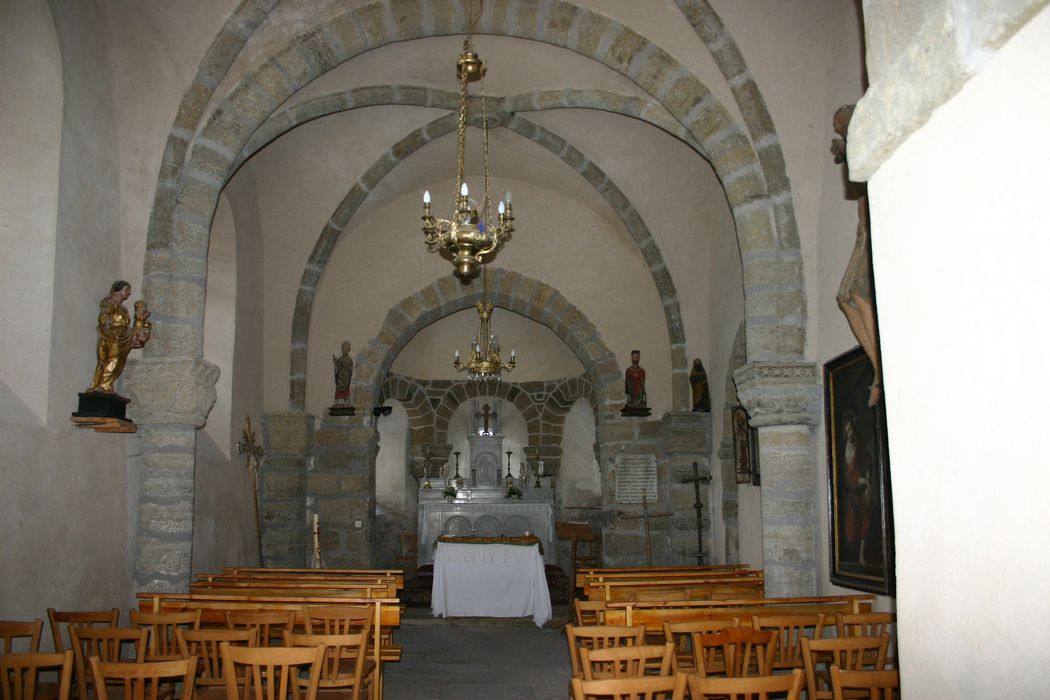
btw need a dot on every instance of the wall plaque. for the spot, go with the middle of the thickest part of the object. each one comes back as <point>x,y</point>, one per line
<point>635,477</point>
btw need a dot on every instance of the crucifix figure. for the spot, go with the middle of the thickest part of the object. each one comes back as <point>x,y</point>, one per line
<point>696,480</point>
<point>252,451</point>
<point>488,420</point>
<point>648,540</point>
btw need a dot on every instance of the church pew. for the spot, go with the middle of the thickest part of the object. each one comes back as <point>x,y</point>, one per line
<point>593,583</point>
<point>750,585</point>
<point>397,579</point>
<point>213,607</point>
<point>653,614</point>
<point>645,570</point>
<point>355,589</point>
<point>296,573</point>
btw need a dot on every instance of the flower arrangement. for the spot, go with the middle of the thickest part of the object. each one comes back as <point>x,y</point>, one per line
<point>513,492</point>
<point>449,492</point>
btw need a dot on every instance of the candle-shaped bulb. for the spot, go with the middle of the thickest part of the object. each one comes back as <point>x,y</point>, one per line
<point>463,189</point>
<point>426,196</point>
<point>501,208</point>
<point>506,197</point>
<point>457,354</point>
<point>513,353</point>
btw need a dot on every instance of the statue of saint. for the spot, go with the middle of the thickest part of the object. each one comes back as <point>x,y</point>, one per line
<point>344,370</point>
<point>856,298</point>
<point>116,336</point>
<point>634,382</point>
<point>701,391</point>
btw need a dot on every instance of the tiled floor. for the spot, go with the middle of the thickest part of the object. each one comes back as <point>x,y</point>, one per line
<point>470,659</point>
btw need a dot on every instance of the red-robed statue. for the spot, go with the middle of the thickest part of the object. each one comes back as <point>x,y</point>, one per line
<point>634,387</point>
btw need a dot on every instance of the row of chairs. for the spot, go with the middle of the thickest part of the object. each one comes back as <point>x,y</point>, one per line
<point>707,648</point>
<point>159,638</point>
<point>876,685</point>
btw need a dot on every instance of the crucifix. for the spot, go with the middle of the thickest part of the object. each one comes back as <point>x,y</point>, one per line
<point>648,540</point>
<point>252,451</point>
<point>488,420</point>
<point>696,480</point>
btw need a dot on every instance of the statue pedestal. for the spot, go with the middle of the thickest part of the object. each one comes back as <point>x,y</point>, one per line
<point>103,413</point>
<point>635,411</point>
<point>341,410</point>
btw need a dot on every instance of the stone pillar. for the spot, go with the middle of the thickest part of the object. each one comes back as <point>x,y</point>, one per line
<point>783,400</point>
<point>340,488</point>
<point>170,400</point>
<point>623,539</point>
<point>287,441</point>
<point>686,438</point>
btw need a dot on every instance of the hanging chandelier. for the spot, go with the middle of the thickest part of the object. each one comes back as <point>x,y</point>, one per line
<point>468,235</point>
<point>485,363</point>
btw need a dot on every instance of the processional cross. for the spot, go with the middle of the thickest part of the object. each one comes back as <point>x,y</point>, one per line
<point>252,451</point>
<point>648,540</point>
<point>696,480</point>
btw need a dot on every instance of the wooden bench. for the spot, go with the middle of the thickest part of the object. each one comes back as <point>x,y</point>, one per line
<point>273,587</point>
<point>240,572</point>
<point>737,585</point>
<point>653,614</point>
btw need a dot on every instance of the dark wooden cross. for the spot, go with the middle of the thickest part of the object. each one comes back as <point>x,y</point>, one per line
<point>648,540</point>
<point>486,415</point>
<point>696,480</point>
<point>252,451</point>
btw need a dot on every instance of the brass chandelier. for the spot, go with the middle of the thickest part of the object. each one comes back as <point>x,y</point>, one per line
<point>485,363</point>
<point>466,237</point>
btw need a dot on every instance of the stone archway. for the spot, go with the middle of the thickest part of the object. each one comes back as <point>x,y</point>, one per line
<point>508,290</point>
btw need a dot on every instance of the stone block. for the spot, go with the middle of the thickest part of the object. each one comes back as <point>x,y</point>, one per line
<point>332,510</point>
<point>287,433</point>
<point>162,558</point>
<point>331,462</point>
<point>281,512</point>
<point>320,484</point>
<point>282,485</point>
<point>167,519</point>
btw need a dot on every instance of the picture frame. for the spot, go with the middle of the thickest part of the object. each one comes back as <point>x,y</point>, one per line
<point>860,521</point>
<point>745,448</point>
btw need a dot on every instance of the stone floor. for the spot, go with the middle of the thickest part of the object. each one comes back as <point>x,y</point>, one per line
<point>475,658</point>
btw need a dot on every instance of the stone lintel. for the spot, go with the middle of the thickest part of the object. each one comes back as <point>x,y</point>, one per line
<point>170,390</point>
<point>779,393</point>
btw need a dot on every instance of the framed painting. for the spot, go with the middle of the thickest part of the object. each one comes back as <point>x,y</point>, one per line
<point>745,448</point>
<point>859,504</point>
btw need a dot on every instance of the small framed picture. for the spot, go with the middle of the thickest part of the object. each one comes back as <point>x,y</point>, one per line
<point>859,502</point>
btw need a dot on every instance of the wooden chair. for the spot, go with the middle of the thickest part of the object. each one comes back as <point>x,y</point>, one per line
<point>589,612</point>
<point>82,618</point>
<point>744,652</point>
<point>346,673</point>
<point>143,681</point>
<point>272,673</point>
<point>848,653</point>
<point>107,644</point>
<point>599,637</point>
<point>871,624</point>
<point>206,645</point>
<point>627,662</point>
<point>337,619</point>
<point>644,688</point>
<point>681,635</point>
<point>789,631</point>
<point>162,625</point>
<point>747,688</point>
<point>588,555</point>
<point>268,624</point>
<point>18,675</point>
<point>25,630</point>
<point>880,685</point>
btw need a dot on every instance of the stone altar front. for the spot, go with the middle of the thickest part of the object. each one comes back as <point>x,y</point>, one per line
<point>483,511</point>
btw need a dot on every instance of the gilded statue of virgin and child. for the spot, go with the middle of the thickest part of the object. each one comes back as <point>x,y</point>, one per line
<point>118,333</point>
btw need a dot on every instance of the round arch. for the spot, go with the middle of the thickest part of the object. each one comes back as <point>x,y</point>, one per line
<point>775,310</point>
<point>508,290</point>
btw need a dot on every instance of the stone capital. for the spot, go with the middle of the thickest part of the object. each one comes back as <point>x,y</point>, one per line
<point>779,393</point>
<point>170,390</point>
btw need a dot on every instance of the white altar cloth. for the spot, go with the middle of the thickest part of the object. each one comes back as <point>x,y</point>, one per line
<point>490,580</point>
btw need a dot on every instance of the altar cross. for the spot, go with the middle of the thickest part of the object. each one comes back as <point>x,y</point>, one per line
<point>486,415</point>
<point>645,515</point>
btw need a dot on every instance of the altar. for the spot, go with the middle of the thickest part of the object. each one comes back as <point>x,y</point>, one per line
<point>490,577</point>
<point>484,512</point>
